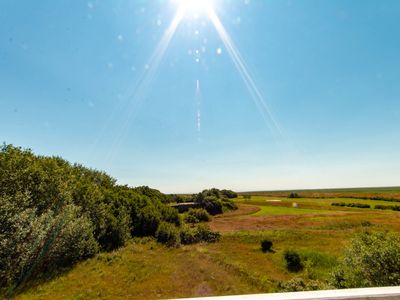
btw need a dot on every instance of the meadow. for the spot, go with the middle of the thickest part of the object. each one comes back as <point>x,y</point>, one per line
<point>144,269</point>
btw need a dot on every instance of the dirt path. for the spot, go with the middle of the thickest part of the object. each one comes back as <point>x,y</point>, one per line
<point>242,219</point>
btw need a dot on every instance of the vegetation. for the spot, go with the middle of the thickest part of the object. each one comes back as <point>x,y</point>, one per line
<point>143,269</point>
<point>371,260</point>
<point>293,261</point>
<point>379,193</point>
<point>62,215</point>
<point>214,201</point>
<point>197,215</point>
<point>293,195</point>
<point>358,205</point>
<point>299,284</point>
<point>388,207</point>
<point>54,214</point>
<point>229,194</point>
<point>266,245</point>
<point>168,234</point>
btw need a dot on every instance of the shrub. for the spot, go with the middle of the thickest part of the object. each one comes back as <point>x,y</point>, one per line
<point>188,236</point>
<point>266,246</point>
<point>228,205</point>
<point>203,233</point>
<point>41,243</point>
<point>64,213</point>
<point>388,207</point>
<point>170,215</point>
<point>359,205</point>
<point>293,261</point>
<point>229,194</point>
<point>214,201</point>
<point>298,284</point>
<point>371,260</point>
<point>197,215</point>
<point>294,195</point>
<point>168,234</point>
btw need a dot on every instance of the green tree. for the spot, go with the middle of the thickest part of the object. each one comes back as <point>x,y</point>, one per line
<point>371,260</point>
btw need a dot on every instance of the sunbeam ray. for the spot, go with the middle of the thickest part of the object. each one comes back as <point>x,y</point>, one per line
<point>244,73</point>
<point>144,83</point>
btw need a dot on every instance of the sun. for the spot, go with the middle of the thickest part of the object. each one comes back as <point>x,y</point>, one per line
<point>195,6</point>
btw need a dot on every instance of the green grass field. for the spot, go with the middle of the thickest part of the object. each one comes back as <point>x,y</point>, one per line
<point>281,210</point>
<point>235,265</point>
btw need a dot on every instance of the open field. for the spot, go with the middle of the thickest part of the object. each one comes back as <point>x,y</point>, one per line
<point>235,265</point>
<point>387,193</point>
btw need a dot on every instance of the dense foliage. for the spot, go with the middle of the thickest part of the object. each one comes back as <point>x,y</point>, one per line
<point>388,207</point>
<point>168,234</point>
<point>293,261</point>
<point>266,246</point>
<point>293,195</point>
<point>372,260</point>
<point>215,201</point>
<point>358,205</point>
<point>298,284</point>
<point>54,214</point>
<point>197,215</point>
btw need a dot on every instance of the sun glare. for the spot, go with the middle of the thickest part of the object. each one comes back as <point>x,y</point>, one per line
<point>195,6</point>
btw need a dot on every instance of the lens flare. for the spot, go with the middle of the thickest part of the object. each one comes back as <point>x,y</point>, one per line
<point>195,6</point>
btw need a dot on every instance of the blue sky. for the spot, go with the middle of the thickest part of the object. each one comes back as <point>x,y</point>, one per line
<point>329,72</point>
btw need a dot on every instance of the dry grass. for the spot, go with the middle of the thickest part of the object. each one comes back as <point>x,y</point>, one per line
<point>388,193</point>
<point>235,265</point>
<point>143,271</point>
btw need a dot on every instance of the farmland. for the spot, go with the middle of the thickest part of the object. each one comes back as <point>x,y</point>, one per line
<point>318,231</point>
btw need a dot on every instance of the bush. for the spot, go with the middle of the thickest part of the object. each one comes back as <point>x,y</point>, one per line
<point>203,233</point>
<point>229,194</point>
<point>298,284</point>
<point>33,243</point>
<point>293,261</point>
<point>388,207</point>
<point>168,234</point>
<point>63,213</point>
<point>293,195</point>
<point>197,215</point>
<point>358,205</point>
<point>266,246</point>
<point>171,215</point>
<point>188,236</point>
<point>214,201</point>
<point>371,260</point>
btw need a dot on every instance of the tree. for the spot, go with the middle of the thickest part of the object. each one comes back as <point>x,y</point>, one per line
<point>371,260</point>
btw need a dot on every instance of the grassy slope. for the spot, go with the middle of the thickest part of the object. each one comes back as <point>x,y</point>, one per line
<point>143,271</point>
<point>235,265</point>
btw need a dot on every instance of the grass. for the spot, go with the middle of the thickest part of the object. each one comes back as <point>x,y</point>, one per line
<point>386,193</point>
<point>235,265</point>
<point>307,203</point>
<point>143,271</point>
<point>281,210</point>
